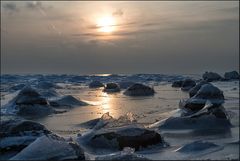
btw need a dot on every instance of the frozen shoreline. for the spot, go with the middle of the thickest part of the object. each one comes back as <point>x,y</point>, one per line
<point>147,110</point>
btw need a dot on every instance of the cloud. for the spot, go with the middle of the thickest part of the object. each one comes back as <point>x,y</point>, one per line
<point>12,7</point>
<point>36,5</point>
<point>117,33</point>
<point>33,4</point>
<point>118,12</point>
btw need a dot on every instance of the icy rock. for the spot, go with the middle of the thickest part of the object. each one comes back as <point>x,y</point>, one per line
<point>126,136</point>
<point>96,84</point>
<point>195,89</point>
<point>209,117</point>
<point>15,127</point>
<point>17,134</point>
<point>206,92</point>
<point>49,93</point>
<point>68,101</point>
<point>231,75</point>
<point>139,90</point>
<point>29,102</point>
<point>125,84</point>
<point>211,76</point>
<point>50,147</point>
<point>111,87</point>
<point>188,84</point>
<point>29,96</point>
<point>177,83</point>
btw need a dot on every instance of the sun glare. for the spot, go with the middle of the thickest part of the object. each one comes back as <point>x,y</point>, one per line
<point>106,24</point>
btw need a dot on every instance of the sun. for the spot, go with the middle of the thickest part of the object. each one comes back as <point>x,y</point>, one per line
<point>106,24</point>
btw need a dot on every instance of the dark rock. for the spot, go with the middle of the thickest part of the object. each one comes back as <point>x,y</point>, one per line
<point>29,96</point>
<point>111,87</point>
<point>206,92</point>
<point>231,75</point>
<point>15,135</point>
<point>17,127</point>
<point>34,110</point>
<point>139,90</point>
<point>125,84</point>
<point>211,76</point>
<point>129,136</point>
<point>177,83</point>
<point>96,84</point>
<point>29,102</point>
<point>196,88</point>
<point>188,84</point>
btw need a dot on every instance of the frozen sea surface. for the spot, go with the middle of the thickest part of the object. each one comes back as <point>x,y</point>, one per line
<point>147,110</point>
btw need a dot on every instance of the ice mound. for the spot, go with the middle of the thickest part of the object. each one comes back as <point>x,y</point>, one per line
<point>126,136</point>
<point>198,146</point>
<point>139,90</point>
<point>17,134</point>
<point>17,127</point>
<point>50,147</point>
<point>193,91</point>
<point>126,154</point>
<point>206,92</point>
<point>30,96</point>
<point>177,83</point>
<point>110,134</point>
<point>211,76</point>
<point>29,102</point>
<point>49,93</point>
<point>125,84</point>
<point>68,101</point>
<point>111,87</point>
<point>187,84</point>
<point>96,84</point>
<point>46,85</point>
<point>209,117</point>
<point>231,75</point>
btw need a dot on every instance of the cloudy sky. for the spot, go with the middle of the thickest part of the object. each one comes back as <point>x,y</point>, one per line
<point>119,37</point>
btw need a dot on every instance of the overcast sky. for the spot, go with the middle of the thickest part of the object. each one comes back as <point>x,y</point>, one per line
<point>146,37</point>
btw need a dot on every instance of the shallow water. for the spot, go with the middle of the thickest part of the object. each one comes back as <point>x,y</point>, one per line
<point>147,110</point>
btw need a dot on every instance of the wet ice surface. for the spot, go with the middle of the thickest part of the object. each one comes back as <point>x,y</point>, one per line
<point>216,144</point>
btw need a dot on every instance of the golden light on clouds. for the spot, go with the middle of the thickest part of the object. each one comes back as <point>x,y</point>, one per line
<point>106,24</point>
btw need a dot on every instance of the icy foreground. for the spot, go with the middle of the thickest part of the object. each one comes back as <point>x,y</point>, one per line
<point>116,126</point>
